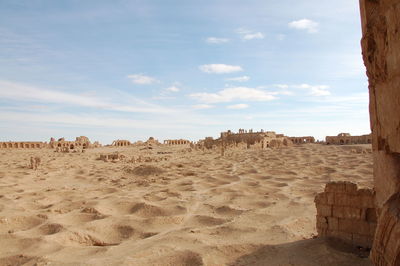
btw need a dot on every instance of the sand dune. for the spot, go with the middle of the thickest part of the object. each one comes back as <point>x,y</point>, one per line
<point>249,207</point>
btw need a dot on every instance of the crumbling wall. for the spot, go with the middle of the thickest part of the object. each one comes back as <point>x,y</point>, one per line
<point>302,140</point>
<point>347,213</point>
<point>345,138</point>
<point>381,54</point>
<point>23,145</point>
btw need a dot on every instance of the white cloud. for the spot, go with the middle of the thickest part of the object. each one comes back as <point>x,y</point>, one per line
<point>282,86</point>
<point>20,92</point>
<point>315,90</point>
<point>239,79</point>
<point>142,79</point>
<point>173,89</point>
<point>238,106</point>
<point>318,91</point>
<point>220,68</point>
<point>203,106</point>
<point>215,40</point>
<point>305,24</point>
<point>246,34</point>
<point>235,93</point>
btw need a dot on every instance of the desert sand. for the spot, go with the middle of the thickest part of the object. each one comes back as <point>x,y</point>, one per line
<point>248,207</point>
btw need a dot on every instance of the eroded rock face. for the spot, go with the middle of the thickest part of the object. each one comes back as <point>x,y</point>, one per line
<point>381,54</point>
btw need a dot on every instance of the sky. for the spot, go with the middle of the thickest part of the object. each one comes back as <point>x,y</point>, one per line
<point>131,69</point>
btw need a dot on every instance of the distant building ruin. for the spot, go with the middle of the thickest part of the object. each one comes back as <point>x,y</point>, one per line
<point>121,143</point>
<point>81,142</point>
<point>346,139</point>
<point>177,142</point>
<point>23,145</point>
<point>246,139</point>
<point>302,140</point>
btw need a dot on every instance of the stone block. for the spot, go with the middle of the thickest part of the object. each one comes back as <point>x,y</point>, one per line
<point>320,198</point>
<point>324,210</point>
<point>322,222</point>
<point>335,187</point>
<point>362,228</point>
<point>367,201</point>
<point>345,199</point>
<point>322,232</point>
<point>348,226</point>
<point>351,187</point>
<point>372,229</point>
<point>370,215</point>
<point>330,198</point>
<point>333,223</point>
<point>346,212</point>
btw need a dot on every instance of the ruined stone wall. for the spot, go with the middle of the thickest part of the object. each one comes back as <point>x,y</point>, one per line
<point>346,140</point>
<point>347,213</point>
<point>121,143</point>
<point>23,145</point>
<point>381,54</point>
<point>177,142</point>
<point>302,140</point>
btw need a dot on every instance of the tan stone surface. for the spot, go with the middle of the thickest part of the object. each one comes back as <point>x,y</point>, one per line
<point>381,53</point>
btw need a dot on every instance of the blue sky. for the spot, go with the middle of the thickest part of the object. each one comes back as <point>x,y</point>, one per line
<point>180,69</point>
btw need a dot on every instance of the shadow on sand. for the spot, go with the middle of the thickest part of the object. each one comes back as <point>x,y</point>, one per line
<point>309,252</point>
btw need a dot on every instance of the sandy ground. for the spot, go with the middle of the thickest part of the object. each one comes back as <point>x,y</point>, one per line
<point>249,207</point>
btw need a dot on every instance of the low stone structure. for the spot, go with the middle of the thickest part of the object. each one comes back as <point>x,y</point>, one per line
<point>152,142</point>
<point>81,142</point>
<point>245,139</point>
<point>302,140</point>
<point>121,143</point>
<point>35,162</point>
<point>177,142</point>
<point>346,139</point>
<point>112,157</point>
<point>23,145</point>
<point>347,213</point>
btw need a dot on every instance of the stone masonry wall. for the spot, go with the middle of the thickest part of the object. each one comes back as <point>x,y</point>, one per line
<point>347,213</point>
<point>380,43</point>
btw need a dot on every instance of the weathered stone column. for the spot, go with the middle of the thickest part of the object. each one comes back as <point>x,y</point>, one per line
<point>381,54</point>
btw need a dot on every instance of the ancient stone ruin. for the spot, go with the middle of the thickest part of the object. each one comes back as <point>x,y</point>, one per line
<point>380,43</point>
<point>35,162</point>
<point>23,145</point>
<point>177,142</point>
<point>347,213</point>
<point>381,53</point>
<point>121,143</point>
<point>81,142</point>
<point>152,142</point>
<point>114,157</point>
<point>302,140</point>
<point>246,139</point>
<point>346,139</point>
